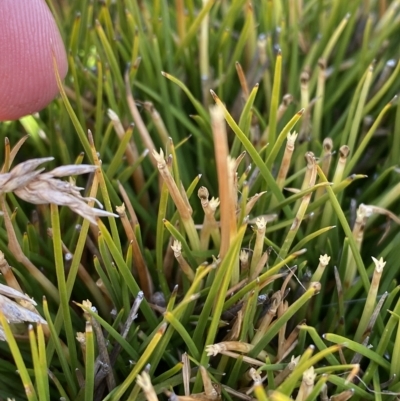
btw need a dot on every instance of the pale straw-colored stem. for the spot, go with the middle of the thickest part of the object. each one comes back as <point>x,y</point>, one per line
<point>282,308</point>
<point>234,333</point>
<point>226,174</point>
<point>242,181</point>
<point>132,155</point>
<point>179,201</point>
<point>363,212</point>
<point>287,371</point>
<point>244,260</point>
<point>186,373</point>
<point>371,299</point>
<point>260,265</point>
<point>326,158</point>
<point>343,396</point>
<point>309,179</point>
<point>317,115</point>
<point>243,81</point>
<point>286,102</point>
<point>264,59</point>
<point>210,225</point>
<point>133,218</point>
<point>287,157</point>
<point>290,343</point>
<point>204,56</point>
<point>144,382</point>
<point>268,317</point>
<point>252,201</point>
<point>7,273</point>
<point>145,280</point>
<point>304,89</point>
<point>137,118</point>
<point>305,104</point>
<point>183,264</point>
<point>344,152</point>
<point>353,373</point>
<point>158,122</point>
<point>209,389</point>
<point>327,214</point>
<point>311,174</point>
<point>233,346</point>
<point>307,384</point>
<point>258,246</point>
<point>81,338</point>
<point>324,393</point>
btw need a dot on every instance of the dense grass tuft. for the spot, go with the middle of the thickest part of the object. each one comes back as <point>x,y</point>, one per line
<point>251,153</point>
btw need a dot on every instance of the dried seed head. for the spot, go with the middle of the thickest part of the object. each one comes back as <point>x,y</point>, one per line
<point>276,300</point>
<point>255,376</point>
<point>177,196</point>
<point>27,305</point>
<point>15,313</point>
<point>310,159</point>
<point>38,187</point>
<point>213,349</point>
<point>244,256</point>
<point>344,151</point>
<point>287,100</point>
<point>72,169</point>
<point>361,214</point>
<point>291,138</point>
<point>88,305</point>
<point>211,392</point>
<point>293,362</point>
<point>322,64</point>
<point>343,396</point>
<point>327,144</point>
<point>307,384</point>
<point>236,346</point>
<point>100,284</point>
<point>304,78</point>
<point>177,248</point>
<point>159,157</point>
<point>203,194</point>
<point>214,203</point>
<point>261,223</point>
<point>112,115</point>
<point>144,382</point>
<point>309,377</point>
<point>81,337</point>
<point>120,210</point>
<point>316,286</point>
<point>11,293</point>
<point>379,264</point>
<point>324,260</point>
<point>252,201</point>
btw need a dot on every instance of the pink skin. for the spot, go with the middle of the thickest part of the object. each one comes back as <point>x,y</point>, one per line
<point>28,38</point>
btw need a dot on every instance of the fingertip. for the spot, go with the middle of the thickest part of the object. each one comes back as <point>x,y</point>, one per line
<point>28,39</point>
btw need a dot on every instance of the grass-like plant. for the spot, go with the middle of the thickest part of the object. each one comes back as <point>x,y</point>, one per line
<point>250,151</point>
